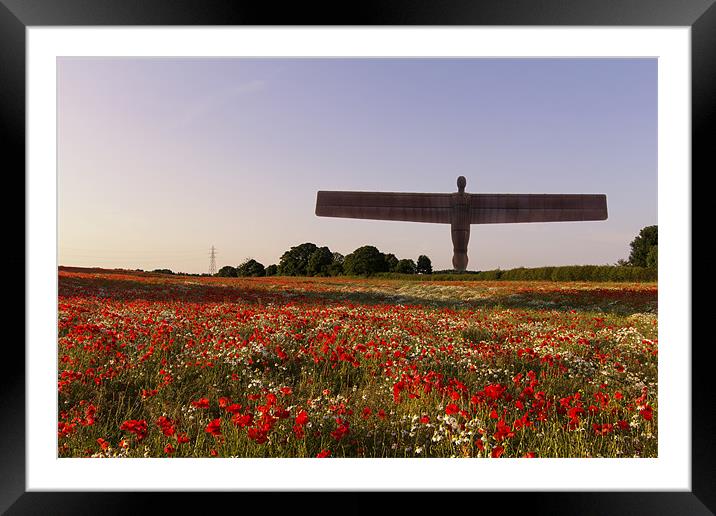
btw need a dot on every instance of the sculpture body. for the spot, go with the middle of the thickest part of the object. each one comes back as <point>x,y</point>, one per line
<point>461,209</point>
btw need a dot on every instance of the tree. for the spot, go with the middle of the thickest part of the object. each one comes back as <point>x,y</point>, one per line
<point>652,259</point>
<point>365,261</point>
<point>227,271</point>
<point>641,246</point>
<point>424,265</point>
<point>251,267</point>
<point>392,261</point>
<point>335,269</point>
<point>294,262</point>
<point>319,262</point>
<point>406,267</point>
<point>163,271</point>
<point>272,270</point>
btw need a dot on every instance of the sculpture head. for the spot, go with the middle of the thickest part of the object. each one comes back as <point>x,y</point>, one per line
<point>461,183</point>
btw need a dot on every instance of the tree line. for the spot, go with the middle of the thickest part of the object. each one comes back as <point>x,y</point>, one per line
<point>308,259</point>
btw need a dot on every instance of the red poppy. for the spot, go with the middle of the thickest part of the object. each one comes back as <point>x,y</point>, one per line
<point>341,431</point>
<point>323,454</point>
<point>258,435</point>
<point>497,452</point>
<point>166,425</point>
<point>302,418</point>
<point>242,420</point>
<point>451,409</point>
<point>234,408</point>
<point>201,403</point>
<point>137,427</point>
<point>602,429</point>
<point>647,412</point>
<point>298,431</point>
<point>214,428</point>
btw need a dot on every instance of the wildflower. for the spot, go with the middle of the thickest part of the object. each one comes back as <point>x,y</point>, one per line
<point>137,427</point>
<point>166,425</point>
<point>302,418</point>
<point>214,428</point>
<point>201,403</point>
<point>497,452</point>
<point>647,412</point>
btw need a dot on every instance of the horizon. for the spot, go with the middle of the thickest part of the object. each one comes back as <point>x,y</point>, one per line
<point>159,159</point>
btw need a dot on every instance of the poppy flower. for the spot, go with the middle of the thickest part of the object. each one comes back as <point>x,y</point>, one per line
<point>242,420</point>
<point>137,427</point>
<point>234,408</point>
<point>201,403</point>
<point>214,428</point>
<point>302,418</point>
<point>647,412</point>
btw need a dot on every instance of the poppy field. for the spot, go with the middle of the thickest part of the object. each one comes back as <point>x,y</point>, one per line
<point>181,366</point>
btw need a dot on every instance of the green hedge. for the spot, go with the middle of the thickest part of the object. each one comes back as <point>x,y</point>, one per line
<point>564,273</point>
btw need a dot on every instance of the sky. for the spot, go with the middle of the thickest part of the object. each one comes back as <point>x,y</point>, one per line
<point>161,158</point>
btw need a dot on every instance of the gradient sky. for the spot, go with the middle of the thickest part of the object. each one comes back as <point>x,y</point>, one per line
<point>159,159</point>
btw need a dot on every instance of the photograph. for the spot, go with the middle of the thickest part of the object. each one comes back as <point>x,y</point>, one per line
<point>357,257</point>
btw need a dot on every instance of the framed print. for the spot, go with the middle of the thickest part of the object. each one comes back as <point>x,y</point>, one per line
<point>275,364</point>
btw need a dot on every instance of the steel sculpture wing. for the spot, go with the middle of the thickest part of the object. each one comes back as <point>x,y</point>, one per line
<point>410,207</point>
<point>511,208</point>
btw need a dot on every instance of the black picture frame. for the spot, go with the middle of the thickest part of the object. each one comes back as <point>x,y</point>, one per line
<point>16,15</point>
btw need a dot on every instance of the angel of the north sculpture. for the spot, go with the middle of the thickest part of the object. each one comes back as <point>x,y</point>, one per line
<point>461,209</point>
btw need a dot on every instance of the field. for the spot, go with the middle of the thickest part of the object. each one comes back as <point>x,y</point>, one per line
<point>180,366</point>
